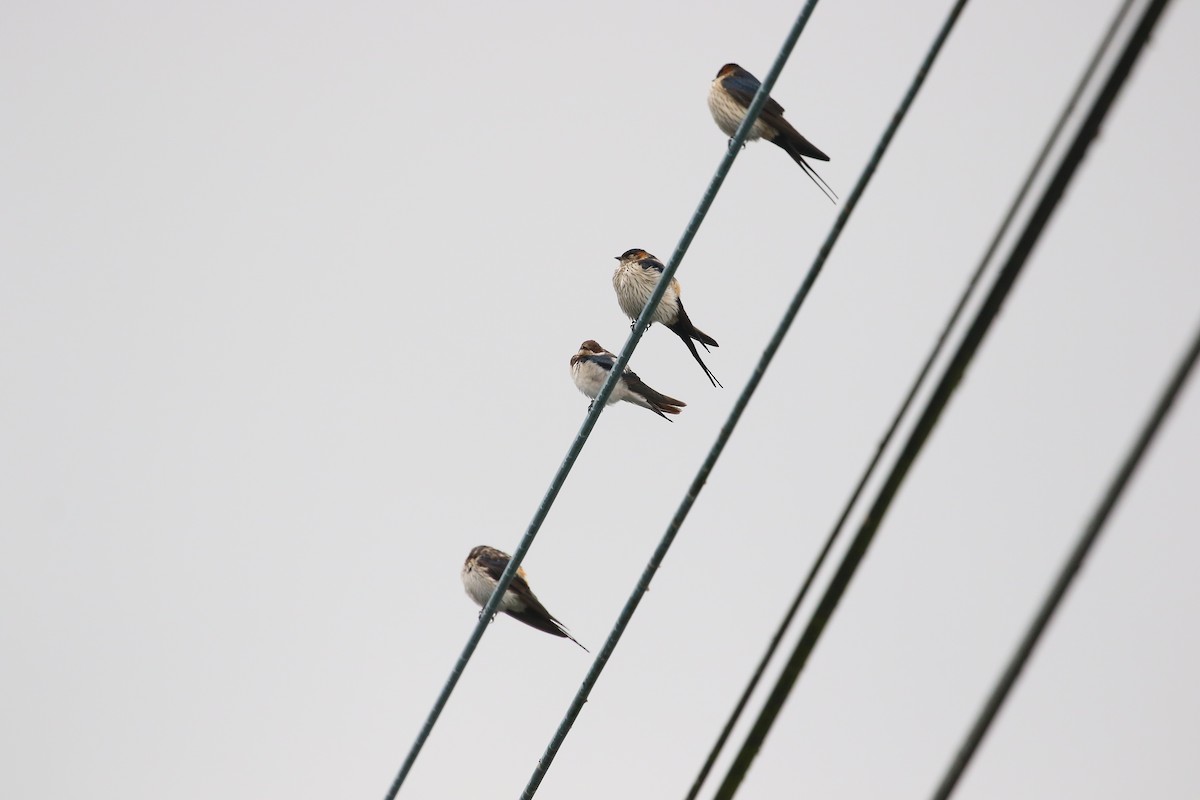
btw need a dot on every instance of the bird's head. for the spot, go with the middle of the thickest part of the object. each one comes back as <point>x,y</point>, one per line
<point>636,254</point>
<point>589,348</point>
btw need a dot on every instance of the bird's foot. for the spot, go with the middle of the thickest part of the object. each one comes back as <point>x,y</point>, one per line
<point>590,406</point>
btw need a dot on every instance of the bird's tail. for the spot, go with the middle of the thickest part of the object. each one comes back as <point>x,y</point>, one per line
<point>684,329</point>
<point>797,152</point>
<point>786,134</point>
<point>661,404</point>
<point>541,619</point>
<point>703,338</point>
<point>696,355</point>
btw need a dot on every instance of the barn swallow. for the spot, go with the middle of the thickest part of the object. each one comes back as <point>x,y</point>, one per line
<point>480,574</point>
<point>635,278</point>
<point>730,96</point>
<point>590,368</point>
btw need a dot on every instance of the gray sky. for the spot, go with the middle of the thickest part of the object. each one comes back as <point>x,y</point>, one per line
<point>288,296</point>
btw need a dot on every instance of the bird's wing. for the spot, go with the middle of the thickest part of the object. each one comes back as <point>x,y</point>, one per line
<point>743,86</point>
<point>652,263</point>
<point>494,563</point>
<point>638,386</point>
<point>603,360</point>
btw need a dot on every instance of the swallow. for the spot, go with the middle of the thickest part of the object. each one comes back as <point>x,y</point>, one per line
<point>730,96</point>
<point>636,276</point>
<point>590,368</point>
<point>480,574</point>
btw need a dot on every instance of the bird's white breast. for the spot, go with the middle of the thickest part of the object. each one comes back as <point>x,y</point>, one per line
<point>479,588</point>
<point>590,377</point>
<point>634,286</point>
<point>728,114</point>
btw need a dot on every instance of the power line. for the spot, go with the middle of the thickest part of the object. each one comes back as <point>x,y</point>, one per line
<point>1095,525</point>
<point>1069,570</point>
<point>743,400</point>
<point>1032,175</point>
<point>937,403</point>
<point>597,407</point>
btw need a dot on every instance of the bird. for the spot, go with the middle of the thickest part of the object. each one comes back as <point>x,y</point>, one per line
<point>728,98</point>
<point>480,574</point>
<point>636,276</point>
<point>590,368</point>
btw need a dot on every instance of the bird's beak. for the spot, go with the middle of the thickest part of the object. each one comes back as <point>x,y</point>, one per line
<point>618,258</point>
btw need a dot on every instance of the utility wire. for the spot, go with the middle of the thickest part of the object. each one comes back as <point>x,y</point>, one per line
<point>643,321</point>
<point>1095,525</point>
<point>937,402</point>
<point>1070,569</point>
<point>743,400</point>
<point>1002,231</point>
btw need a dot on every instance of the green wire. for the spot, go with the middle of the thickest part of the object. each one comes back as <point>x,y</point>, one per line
<point>589,422</point>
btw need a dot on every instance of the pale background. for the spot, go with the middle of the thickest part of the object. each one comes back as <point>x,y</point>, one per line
<point>288,295</point>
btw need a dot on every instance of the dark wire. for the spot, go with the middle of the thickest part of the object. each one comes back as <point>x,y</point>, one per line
<point>689,233</point>
<point>934,407</point>
<point>643,321</point>
<point>739,407</point>
<point>1095,525</point>
<point>1034,171</point>
<point>1070,569</point>
<point>1068,572</point>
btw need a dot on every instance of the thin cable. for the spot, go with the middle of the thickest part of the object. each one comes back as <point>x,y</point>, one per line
<point>743,400</point>
<point>1071,568</point>
<point>597,407</point>
<point>936,404</point>
<point>1002,231</point>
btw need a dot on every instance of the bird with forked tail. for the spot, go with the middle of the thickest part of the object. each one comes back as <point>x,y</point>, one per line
<point>480,574</point>
<point>634,280</point>
<point>731,94</point>
<point>590,368</point>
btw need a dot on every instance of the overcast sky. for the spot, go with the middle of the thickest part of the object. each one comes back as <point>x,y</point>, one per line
<point>287,300</point>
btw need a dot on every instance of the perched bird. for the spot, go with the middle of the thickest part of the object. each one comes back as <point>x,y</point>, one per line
<point>635,278</point>
<point>730,96</point>
<point>590,368</point>
<point>480,573</point>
